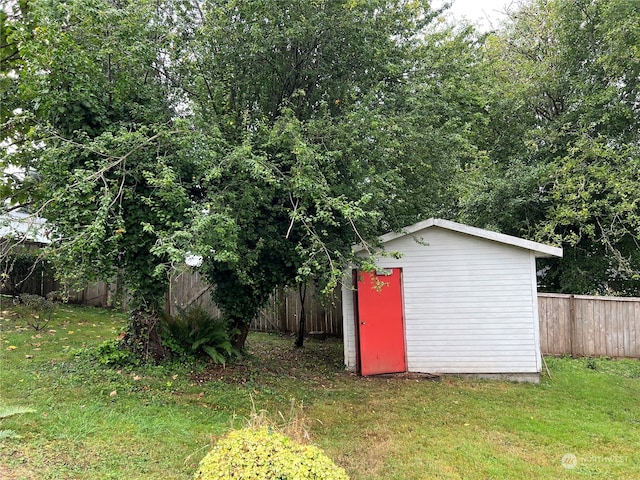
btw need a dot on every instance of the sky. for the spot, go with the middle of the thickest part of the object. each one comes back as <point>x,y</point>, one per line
<point>483,11</point>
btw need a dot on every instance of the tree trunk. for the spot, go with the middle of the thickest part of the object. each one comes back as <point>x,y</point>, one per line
<point>240,338</point>
<point>143,336</point>
<point>302,292</point>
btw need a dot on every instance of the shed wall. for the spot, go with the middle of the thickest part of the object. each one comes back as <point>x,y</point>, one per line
<point>470,305</point>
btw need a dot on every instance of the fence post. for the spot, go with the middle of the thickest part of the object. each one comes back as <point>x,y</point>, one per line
<point>572,324</point>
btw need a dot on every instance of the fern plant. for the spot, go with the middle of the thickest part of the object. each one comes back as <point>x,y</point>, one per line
<point>194,331</point>
<point>6,412</point>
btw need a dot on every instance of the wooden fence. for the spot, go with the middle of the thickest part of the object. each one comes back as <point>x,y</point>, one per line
<point>281,314</point>
<point>43,283</point>
<point>189,289</point>
<point>581,325</point>
<point>577,325</point>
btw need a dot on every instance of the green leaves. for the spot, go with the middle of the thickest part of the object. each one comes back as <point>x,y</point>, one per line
<point>266,137</point>
<point>101,149</point>
<point>265,453</point>
<point>195,332</point>
<point>563,145</point>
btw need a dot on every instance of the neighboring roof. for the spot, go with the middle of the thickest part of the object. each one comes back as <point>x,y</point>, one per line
<point>23,227</point>
<point>540,249</point>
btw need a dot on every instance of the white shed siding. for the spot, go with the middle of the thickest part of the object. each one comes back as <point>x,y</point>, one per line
<point>469,304</point>
<point>348,326</point>
<point>536,318</point>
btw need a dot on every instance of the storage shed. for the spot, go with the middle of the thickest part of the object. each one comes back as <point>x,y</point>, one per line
<point>458,300</point>
<point>24,228</point>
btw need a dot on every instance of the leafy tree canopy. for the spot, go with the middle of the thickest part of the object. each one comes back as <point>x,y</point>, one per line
<point>265,136</point>
<point>563,157</point>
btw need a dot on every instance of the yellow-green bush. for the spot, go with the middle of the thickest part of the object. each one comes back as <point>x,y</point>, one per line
<point>265,454</point>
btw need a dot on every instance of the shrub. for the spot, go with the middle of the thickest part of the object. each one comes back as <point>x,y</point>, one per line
<point>266,454</point>
<point>36,310</point>
<point>194,331</point>
<point>58,296</point>
<point>112,354</point>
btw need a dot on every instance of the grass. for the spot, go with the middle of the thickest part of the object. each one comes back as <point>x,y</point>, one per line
<point>104,422</point>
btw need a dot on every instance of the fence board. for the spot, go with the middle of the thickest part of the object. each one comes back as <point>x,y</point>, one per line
<point>633,311</point>
<point>555,330</point>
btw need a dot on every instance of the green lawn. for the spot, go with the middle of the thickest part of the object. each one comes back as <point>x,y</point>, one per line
<point>98,422</point>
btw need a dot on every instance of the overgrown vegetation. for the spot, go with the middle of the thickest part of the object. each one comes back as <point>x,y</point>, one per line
<point>111,354</point>
<point>562,140</point>
<point>293,423</point>
<point>97,420</point>
<point>267,152</point>
<point>269,446</point>
<point>37,311</point>
<point>194,331</point>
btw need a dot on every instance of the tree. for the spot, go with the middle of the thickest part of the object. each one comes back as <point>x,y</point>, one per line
<point>340,121</point>
<point>564,162</point>
<point>98,143</point>
<point>265,137</point>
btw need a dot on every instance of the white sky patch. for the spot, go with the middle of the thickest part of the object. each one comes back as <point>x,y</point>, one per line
<point>8,169</point>
<point>193,260</point>
<point>11,169</point>
<point>486,13</point>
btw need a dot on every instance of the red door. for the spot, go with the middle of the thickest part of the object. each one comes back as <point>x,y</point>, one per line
<point>380,325</point>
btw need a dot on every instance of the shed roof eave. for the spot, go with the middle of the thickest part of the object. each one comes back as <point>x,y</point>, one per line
<point>21,227</point>
<point>540,250</point>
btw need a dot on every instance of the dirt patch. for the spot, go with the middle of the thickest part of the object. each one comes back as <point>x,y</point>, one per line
<point>15,473</point>
<point>269,356</point>
<point>318,360</point>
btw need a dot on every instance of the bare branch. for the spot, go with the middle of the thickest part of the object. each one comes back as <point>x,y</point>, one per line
<point>293,215</point>
<point>363,242</point>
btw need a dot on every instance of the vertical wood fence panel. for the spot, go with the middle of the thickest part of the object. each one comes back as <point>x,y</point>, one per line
<point>189,289</point>
<point>280,314</point>
<point>582,325</point>
<point>555,326</point>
